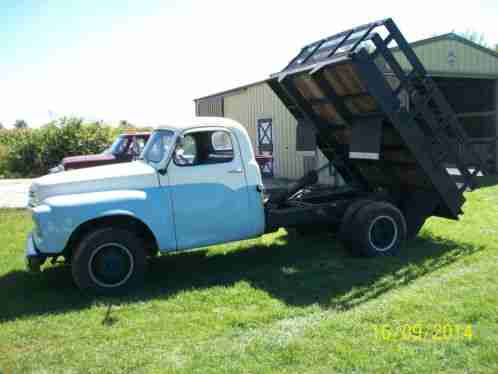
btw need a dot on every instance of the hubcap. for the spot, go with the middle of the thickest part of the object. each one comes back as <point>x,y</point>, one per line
<point>110,265</point>
<point>383,233</point>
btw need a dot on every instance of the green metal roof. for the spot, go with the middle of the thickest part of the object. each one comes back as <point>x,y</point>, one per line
<point>454,56</point>
<point>452,36</point>
<point>471,60</point>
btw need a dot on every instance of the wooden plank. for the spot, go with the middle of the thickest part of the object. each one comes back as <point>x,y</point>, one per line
<point>366,103</point>
<point>353,75</point>
<point>328,113</point>
<point>361,104</point>
<point>307,88</point>
<point>349,78</point>
<point>331,77</point>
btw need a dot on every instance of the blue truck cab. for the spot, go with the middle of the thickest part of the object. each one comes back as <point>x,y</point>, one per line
<point>196,183</point>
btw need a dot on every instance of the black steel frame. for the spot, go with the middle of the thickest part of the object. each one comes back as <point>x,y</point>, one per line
<point>431,113</point>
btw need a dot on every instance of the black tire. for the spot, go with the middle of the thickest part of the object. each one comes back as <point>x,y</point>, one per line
<point>345,233</point>
<point>109,261</point>
<point>413,228</point>
<point>302,231</point>
<point>379,229</point>
<point>311,230</point>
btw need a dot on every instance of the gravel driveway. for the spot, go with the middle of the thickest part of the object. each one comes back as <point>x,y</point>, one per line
<point>14,193</point>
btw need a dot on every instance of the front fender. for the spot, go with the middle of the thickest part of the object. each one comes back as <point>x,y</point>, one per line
<point>57,218</point>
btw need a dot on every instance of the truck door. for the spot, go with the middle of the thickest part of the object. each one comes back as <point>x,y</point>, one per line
<point>208,184</point>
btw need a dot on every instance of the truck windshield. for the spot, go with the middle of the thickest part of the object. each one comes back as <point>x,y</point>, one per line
<point>158,146</point>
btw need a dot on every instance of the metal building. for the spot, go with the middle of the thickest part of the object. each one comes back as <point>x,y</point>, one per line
<point>466,72</point>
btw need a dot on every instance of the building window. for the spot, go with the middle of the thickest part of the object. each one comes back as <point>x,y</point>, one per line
<point>265,147</point>
<point>265,135</point>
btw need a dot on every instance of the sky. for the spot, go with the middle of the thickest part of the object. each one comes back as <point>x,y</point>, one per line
<point>146,60</point>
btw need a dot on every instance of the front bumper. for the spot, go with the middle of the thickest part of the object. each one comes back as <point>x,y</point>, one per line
<point>34,259</point>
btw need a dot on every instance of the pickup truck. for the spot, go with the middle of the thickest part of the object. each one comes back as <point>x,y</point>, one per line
<point>125,148</point>
<point>197,183</point>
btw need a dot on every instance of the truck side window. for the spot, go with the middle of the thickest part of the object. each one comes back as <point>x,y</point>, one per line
<point>133,149</point>
<point>221,141</point>
<point>122,146</point>
<point>187,152</point>
<point>221,147</point>
<point>203,148</point>
<point>140,144</point>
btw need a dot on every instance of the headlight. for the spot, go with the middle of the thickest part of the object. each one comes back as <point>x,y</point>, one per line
<point>33,199</point>
<point>57,169</point>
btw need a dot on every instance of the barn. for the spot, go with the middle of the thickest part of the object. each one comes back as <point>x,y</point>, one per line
<point>466,73</point>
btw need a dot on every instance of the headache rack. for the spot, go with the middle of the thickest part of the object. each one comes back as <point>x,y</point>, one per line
<point>379,117</point>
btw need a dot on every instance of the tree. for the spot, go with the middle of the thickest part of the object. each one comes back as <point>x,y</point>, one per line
<point>496,47</point>
<point>20,124</point>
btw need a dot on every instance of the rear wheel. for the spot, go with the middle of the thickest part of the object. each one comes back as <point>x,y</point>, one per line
<point>109,261</point>
<point>379,229</point>
<point>345,233</point>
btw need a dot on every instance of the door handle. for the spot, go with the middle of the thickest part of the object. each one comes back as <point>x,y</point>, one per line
<point>235,171</point>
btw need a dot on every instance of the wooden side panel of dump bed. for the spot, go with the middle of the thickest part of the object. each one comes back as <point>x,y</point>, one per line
<point>352,92</point>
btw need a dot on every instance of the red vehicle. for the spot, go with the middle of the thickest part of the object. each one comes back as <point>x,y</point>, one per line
<point>125,148</point>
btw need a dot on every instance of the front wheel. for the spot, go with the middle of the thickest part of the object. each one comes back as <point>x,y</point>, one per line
<point>379,229</point>
<point>109,261</point>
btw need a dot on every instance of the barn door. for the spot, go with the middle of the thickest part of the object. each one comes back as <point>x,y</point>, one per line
<point>265,146</point>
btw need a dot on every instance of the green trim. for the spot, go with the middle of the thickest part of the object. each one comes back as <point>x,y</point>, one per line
<point>231,90</point>
<point>447,74</point>
<point>451,36</point>
<point>475,45</point>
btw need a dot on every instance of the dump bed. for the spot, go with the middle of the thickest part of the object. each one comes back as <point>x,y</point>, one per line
<point>383,127</point>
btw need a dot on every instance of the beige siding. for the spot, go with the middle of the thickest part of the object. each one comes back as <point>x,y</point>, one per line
<point>209,107</point>
<point>259,102</point>
<point>467,59</point>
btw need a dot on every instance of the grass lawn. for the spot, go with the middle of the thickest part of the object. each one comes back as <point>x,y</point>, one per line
<point>281,303</point>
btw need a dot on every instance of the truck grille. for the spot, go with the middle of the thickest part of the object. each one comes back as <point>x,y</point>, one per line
<point>32,198</point>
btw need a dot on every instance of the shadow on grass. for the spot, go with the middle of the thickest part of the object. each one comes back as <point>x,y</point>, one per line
<point>298,271</point>
<point>487,181</point>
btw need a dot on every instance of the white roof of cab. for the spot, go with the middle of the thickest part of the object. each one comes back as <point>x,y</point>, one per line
<point>201,122</point>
